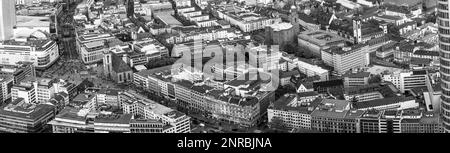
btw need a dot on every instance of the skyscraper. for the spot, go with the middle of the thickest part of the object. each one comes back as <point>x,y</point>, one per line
<point>7,19</point>
<point>444,45</point>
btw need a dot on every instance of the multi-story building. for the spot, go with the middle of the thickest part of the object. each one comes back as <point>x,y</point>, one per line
<point>390,121</point>
<point>335,116</point>
<point>370,121</point>
<point>406,80</point>
<point>108,96</point>
<point>26,91</point>
<point>293,113</point>
<point>91,43</point>
<point>112,123</point>
<point>390,103</point>
<point>343,59</point>
<point>7,19</point>
<point>92,52</point>
<point>19,71</point>
<point>70,121</point>
<point>370,92</point>
<point>44,88</point>
<point>313,70</point>
<point>241,100</point>
<point>400,121</point>
<point>183,3</point>
<point>356,79</point>
<point>281,34</point>
<point>42,53</point>
<point>245,20</point>
<point>133,103</point>
<point>147,49</point>
<point>266,58</point>
<point>84,101</point>
<point>317,41</point>
<point>22,117</point>
<point>6,84</point>
<point>444,47</point>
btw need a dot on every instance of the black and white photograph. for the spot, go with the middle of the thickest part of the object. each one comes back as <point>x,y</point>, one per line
<point>223,75</point>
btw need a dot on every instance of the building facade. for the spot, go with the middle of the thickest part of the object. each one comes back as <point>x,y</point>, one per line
<point>42,53</point>
<point>444,45</point>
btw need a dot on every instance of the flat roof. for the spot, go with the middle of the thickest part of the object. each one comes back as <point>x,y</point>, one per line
<point>113,118</point>
<point>381,102</point>
<point>33,21</point>
<point>281,26</point>
<point>18,108</point>
<point>321,37</point>
<point>168,19</point>
<point>289,103</point>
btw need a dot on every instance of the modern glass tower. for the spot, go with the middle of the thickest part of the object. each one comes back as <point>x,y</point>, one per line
<point>444,45</point>
<point>7,19</point>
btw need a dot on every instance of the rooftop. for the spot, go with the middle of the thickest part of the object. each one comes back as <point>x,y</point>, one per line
<point>168,19</point>
<point>280,26</point>
<point>113,118</point>
<point>18,108</point>
<point>290,103</point>
<point>381,102</point>
<point>357,75</point>
<point>321,37</point>
<point>33,21</point>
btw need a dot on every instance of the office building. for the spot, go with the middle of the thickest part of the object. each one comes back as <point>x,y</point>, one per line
<point>370,121</point>
<point>406,80</point>
<point>91,43</point>
<point>292,112</point>
<point>319,40</point>
<point>390,103</point>
<point>135,104</point>
<point>7,19</point>
<point>71,121</point>
<point>42,52</point>
<point>22,117</point>
<point>43,89</point>
<point>444,45</point>
<point>281,34</point>
<point>246,21</point>
<point>313,70</point>
<point>356,79</point>
<point>19,71</point>
<point>343,59</point>
<point>25,91</point>
<point>6,83</point>
<point>335,116</point>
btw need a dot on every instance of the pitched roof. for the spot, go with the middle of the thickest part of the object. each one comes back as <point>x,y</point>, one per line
<point>119,65</point>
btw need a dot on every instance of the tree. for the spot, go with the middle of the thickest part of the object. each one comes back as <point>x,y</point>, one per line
<point>290,49</point>
<point>282,90</point>
<point>431,18</point>
<point>393,29</point>
<point>277,123</point>
<point>375,79</point>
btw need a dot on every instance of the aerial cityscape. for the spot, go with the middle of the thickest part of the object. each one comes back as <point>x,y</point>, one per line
<point>224,66</point>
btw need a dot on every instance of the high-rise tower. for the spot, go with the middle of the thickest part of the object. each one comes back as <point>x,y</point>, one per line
<point>7,19</point>
<point>130,8</point>
<point>444,47</point>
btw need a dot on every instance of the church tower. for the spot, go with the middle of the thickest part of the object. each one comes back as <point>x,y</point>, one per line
<point>357,30</point>
<point>293,16</point>
<point>107,63</point>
